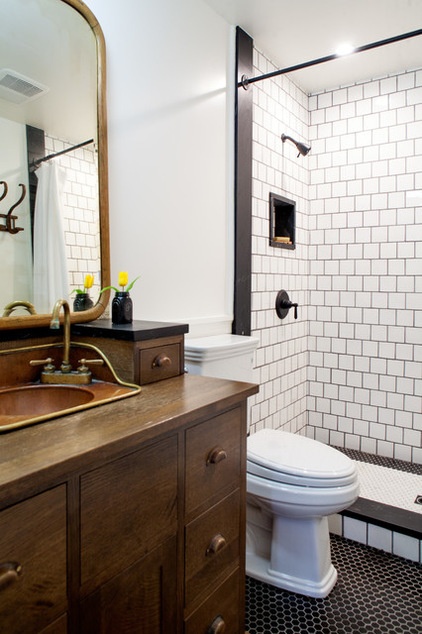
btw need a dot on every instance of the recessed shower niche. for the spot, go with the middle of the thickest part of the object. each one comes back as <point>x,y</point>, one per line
<point>282,222</point>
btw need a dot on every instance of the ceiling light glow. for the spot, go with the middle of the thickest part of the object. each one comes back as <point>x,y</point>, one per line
<point>345,49</point>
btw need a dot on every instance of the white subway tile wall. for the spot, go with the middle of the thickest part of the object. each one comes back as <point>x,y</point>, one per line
<point>282,355</point>
<point>365,266</point>
<point>348,372</point>
<point>81,216</point>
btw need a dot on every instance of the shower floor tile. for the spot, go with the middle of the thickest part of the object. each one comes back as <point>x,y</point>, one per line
<point>388,486</point>
<point>376,593</point>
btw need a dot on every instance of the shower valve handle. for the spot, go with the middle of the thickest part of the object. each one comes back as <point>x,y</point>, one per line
<point>283,305</point>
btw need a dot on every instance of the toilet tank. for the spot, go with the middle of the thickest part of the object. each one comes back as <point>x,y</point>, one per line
<point>222,356</point>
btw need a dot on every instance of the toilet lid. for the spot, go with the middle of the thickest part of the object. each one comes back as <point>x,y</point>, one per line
<point>293,459</point>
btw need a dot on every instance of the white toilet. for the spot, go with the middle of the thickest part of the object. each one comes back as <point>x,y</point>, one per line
<point>293,484</point>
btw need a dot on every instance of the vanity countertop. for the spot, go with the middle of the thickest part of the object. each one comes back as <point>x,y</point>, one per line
<point>46,454</point>
<point>138,330</point>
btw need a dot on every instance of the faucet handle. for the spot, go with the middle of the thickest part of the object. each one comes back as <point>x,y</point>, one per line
<point>47,363</point>
<point>83,368</point>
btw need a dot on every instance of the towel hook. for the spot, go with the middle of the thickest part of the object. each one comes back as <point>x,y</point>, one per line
<point>10,225</point>
<point>5,190</point>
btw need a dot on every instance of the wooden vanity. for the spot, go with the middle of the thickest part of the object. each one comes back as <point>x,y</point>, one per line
<point>128,517</point>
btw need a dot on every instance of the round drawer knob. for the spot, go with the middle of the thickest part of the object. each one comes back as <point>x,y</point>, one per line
<point>161,361</point>
<point>217,543</point>
<point>218,626</point>
<point>9,573</point>
<point>216,455</point>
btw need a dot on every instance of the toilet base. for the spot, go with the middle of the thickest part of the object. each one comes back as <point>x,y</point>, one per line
<point>257,567</point>
<point>289,553</point>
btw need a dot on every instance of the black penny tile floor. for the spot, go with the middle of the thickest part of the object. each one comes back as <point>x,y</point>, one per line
<point>376,593</point>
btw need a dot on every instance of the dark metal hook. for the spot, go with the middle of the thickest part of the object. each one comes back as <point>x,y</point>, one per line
<point>10,225</point>
<point>6,189</point>
<point>17,203</point>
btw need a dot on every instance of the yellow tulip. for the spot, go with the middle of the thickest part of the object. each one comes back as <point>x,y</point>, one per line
<point>123,278</point>
<point>89,280</point>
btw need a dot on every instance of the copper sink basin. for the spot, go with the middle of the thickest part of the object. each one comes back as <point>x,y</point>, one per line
<point>36,400</point>
<point>27,404</point>
<point>30,401</point>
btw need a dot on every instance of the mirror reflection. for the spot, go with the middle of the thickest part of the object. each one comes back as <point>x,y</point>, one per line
<point>50,219</point>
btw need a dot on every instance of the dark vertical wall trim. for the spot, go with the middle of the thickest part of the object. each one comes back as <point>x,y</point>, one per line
<point>243,188</point>
<point>35,147</point>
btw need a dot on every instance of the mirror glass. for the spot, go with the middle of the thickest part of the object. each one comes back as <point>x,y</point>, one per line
<point>52,98</point>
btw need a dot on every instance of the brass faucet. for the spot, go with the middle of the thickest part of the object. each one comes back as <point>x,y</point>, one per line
<point>19,302</point>
<point>82,376</point>
<point>55,325</point>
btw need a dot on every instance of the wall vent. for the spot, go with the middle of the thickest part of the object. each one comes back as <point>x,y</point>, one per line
<point>17,88</point>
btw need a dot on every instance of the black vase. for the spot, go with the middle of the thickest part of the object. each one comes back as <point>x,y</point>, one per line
<point>121,308</point>
<point>82,301</point>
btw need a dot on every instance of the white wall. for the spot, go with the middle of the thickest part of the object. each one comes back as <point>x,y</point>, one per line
<point>15,248</point>
<point>171,221</point>
<point>170,116</point>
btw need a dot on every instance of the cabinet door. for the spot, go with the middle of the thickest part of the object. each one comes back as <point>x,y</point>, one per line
<point>140,600</point>
<point>128,508</point>
<point>33,540</point>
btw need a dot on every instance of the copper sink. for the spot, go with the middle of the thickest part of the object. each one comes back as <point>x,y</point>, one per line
<point>30,402</point>
<point>36,400</point>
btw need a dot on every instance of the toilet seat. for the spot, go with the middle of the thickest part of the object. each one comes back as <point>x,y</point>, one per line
<point>302,501</point>
<point>297,460</point>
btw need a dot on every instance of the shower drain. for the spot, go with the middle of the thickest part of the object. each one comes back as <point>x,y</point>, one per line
<point>418,499</point>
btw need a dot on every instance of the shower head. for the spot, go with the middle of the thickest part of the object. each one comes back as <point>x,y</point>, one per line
<point>301,147</point>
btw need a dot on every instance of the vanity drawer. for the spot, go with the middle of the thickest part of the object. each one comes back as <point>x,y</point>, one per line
<point>213,459</point>
<point>160,362</point>
<point>128,507</point>
<point>212,547</point>
<point>33,536</point>
<point>220,612</point>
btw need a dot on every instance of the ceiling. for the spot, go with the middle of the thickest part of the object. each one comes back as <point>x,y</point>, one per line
<point>291,32</point>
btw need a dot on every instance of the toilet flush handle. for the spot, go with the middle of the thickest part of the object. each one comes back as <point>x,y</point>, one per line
<point>283,305</point>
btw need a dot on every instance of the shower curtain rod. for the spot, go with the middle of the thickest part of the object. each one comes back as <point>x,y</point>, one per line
<point>38,162</point>
<point>245,81</point>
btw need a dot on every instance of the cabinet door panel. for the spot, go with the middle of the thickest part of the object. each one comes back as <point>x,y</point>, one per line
<point>33,533</point>
<point>213,458</point>
<point>128,507</point>
<point>140,600</point>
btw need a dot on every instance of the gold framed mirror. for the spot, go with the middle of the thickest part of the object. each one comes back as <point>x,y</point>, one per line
<point>45,31</point>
